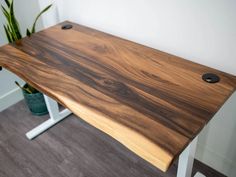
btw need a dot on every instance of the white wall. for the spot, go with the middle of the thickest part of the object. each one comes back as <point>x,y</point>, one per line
<point>56,13</point>
<point>203,31</point>
<point>26,11</point>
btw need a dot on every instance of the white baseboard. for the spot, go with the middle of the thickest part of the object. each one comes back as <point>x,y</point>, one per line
<point>10,98</point>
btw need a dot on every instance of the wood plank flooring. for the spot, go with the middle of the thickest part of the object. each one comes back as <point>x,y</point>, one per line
<point>72,148</point>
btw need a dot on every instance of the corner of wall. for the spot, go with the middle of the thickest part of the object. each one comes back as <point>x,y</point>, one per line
<point>215,160</point>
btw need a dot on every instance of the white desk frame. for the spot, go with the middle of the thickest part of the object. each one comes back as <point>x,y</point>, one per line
<point>55,117</point>
<point>186,158</point>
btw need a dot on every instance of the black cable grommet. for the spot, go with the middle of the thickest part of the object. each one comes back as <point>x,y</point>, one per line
<point>67,26</point>
<point>210,78</point>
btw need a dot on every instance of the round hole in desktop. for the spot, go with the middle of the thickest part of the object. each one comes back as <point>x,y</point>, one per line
<point>211,78</point>
<point>66,26</point>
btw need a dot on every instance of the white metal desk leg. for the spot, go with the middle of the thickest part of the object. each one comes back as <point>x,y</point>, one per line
<point>186,160</point>
<point>55,117</point>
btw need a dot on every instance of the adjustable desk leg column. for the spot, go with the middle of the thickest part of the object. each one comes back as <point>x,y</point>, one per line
<point>55,117</point>
<point>186,160</point>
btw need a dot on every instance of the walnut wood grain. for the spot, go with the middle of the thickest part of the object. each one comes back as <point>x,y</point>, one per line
<point>152,102</point>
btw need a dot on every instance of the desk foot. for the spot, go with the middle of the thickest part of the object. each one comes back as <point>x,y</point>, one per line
<point>55,117</point>
<point>199,175</point>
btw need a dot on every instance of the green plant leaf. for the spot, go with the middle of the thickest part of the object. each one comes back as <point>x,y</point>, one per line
<point>28,33</point>
<point>5,12</point>
<point>12,28</point>
<point>14,22</point>
<point>8,34</point>
<point>23,88</point>
<point>32,89</point>
<point>7,3</point>
<point>7,29</point>
<point>11,31</point>
<point>36,19</point>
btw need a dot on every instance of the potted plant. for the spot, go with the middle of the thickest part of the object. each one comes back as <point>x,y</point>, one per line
<point>33,97</point>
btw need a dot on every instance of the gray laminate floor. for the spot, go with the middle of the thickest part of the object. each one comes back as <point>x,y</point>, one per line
<point>72,148</point>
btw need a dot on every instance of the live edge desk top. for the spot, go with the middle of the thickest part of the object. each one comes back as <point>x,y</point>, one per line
<point>152,102</point>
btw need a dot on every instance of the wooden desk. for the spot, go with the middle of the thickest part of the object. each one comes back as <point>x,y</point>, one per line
<point>152,102</point>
